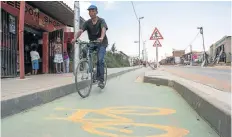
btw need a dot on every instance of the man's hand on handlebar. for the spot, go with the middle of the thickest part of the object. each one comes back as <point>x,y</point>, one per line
<point>73,41</point>
<point>100,39</point>
<point>83,42</point>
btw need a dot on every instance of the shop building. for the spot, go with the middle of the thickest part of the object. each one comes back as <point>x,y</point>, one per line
<point>222,45</point>
<point>177,54</point>
<point>44,22</point>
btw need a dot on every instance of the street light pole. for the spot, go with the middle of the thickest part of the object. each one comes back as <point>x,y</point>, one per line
<point>202,34</point>
<point>76,28</point>
<point>139,38</point>
<point>139,34</point>
<point>144,51</point>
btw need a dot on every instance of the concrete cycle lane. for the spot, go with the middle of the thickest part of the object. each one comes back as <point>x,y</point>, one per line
<point>125,108</point>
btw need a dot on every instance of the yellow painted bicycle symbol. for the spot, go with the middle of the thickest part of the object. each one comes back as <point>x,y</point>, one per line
<point>115,118</point>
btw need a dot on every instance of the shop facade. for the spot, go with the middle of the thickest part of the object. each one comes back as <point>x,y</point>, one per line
<point>42,26</point>
<point>221,46</point>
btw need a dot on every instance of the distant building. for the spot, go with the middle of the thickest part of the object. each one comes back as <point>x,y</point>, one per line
<point>178,53</point>
<point>124,55</point>
<point>223,44</point>
<point>196,56</point>
<point>132,60</point>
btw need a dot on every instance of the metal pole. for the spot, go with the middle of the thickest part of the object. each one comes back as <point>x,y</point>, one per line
<point>76,28</point>
<point>191,53</point>
<point>144,52</point>
<point>21,39</point>
<point>204,56</point>
<point>139,39</point>
<point>203,38</point>
<point>157,63</point>
<point>206,60</point>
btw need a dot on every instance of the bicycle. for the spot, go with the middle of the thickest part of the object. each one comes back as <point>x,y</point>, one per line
<point>86,63</point>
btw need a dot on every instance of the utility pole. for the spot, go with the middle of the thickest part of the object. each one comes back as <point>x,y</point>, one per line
<point>76,28</point>
<point>139,38</point>
<point>202,34</point>
<point>144,52</point>
<point>191,53</point>
<point>139,34</point>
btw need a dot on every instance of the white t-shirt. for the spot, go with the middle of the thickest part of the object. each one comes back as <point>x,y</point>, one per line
<point>34,55</point>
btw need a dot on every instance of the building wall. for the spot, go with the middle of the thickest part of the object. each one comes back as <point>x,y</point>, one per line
<point>178,53</point>
<point>33,16</point>
<point>226,41</point>
<point>39,20</point>
<point>228,49</point>
<point>212,51</point>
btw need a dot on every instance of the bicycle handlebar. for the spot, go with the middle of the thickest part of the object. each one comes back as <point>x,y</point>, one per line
<point>84,42</point>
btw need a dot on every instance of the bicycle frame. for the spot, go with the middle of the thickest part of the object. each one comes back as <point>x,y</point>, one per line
<point>89,55</point>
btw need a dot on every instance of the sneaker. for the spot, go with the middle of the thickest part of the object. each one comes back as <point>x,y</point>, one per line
<point>101,85</point>
<point>94,81</point>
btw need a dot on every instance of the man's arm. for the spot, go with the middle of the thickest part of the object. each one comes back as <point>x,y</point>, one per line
<point>104,27</point>
<point>78,34</point>
<point>103,32</point>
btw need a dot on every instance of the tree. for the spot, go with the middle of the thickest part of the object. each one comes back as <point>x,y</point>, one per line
<point>113,48</point>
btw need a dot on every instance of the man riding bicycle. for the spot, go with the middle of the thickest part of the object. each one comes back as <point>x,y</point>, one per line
<point>96,28</point>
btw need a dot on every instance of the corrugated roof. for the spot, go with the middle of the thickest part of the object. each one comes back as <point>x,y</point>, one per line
<point>57,10</point>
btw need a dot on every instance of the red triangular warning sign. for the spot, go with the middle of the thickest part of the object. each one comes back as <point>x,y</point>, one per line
<point>156,35</point>
<point>157,43</point>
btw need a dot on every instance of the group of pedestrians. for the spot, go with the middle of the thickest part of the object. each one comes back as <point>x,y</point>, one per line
<point>60,59</point>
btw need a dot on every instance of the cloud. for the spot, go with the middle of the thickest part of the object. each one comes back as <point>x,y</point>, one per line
<point>109,5</point>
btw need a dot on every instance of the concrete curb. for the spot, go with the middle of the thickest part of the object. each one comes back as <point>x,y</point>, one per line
<point>214,112</point>
<point>16,105</point>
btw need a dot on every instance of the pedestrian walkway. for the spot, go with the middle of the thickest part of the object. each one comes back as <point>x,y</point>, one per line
<point>15,87</point>
<point>216,78</point>
<point>127,107</point>
<point>224,97</point>
<point>211,104</point>
<point>19,95</point>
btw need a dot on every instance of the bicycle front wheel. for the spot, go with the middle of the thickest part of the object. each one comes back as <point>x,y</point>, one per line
<point>83,79</point>
<point>105,74</point>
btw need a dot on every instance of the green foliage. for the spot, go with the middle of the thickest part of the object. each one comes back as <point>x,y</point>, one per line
<point>112,59</point>
<point>113,48</point>
<point>115,60</point>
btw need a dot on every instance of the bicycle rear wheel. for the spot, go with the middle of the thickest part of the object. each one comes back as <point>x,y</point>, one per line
<point>83,82</point>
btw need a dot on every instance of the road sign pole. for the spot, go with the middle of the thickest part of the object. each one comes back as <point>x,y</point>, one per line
<point>156,35</point>
<point>157,64</point>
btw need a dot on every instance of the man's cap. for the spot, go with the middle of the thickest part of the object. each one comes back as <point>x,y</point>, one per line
<point>91,7</point>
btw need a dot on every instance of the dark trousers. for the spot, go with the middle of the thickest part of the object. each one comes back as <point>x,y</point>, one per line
<point>101,51</point>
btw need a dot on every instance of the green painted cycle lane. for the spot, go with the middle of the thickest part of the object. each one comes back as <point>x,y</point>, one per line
<point>125,108</point>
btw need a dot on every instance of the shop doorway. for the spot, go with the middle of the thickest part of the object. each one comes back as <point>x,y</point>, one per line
<point>32,36</point>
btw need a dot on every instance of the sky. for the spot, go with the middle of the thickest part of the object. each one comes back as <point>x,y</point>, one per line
<point>176,21</point>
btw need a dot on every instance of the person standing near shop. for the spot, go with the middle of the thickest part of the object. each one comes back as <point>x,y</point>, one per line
<point>66,62</point>
<point>34,59</point>
<point>58,59</point>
